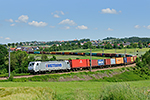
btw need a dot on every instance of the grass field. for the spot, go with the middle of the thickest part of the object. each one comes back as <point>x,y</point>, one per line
<point>77,90</point>
<point>66,57</point>
<point>128,51</point>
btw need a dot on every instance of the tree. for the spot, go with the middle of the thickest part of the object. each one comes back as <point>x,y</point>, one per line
<point>115,45</point>
<point>19,62</point>
<point>108,46</point>
<point>134,45</point>
<point>9,44</point>
<point>13,45</point>
<point>121,46</point>
<point>17,44</point>
<point>79,44</point>
<point>20,44</point>
<point>44,57</point>
<point>3,59</point>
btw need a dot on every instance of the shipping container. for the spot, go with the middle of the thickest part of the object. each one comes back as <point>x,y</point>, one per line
<point>107,54</point>
<point>100,62</point>
<point>62,53</point>
<point>87,54</point>
<point>117,55</point>
<point>125,60</point>
<point>119,60</point>
<point>80,53</point>
<point>113,61</point>
<point>53,52</point>
<point>113,55</point>
<point>107,62</point>
<point>128,59</point>
<point>99,54</point>
<point>131,59</point>
<point>36,52</point>
<point>77,63</point>
<point>71,53</point>
<point>103,54</point>
<point>66,53</point>
<point>94,62</point>
<point>58,52</point>
<point>94,54</point>
<point>75,53</point>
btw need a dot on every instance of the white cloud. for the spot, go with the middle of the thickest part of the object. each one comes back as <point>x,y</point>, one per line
<point>144,26</point>
<point>96,28</point>
<point>1,37</point>
<point>62,12</point>
<point>109,29</point>
<point>9,20</point>
<point>37,24</point>
<point>7,38</point>
<point>148,27</point>
<point>136,26</point>
<point>68,21</point>
<point>12,25</point>
<point>56,16</point>
<point>52,26</point>
<point>109,11</point>
<point>66,27</point>
<point>23,18</point>
<point>82,27</point>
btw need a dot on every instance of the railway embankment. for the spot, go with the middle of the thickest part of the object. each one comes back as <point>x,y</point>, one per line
<point>102,75</point>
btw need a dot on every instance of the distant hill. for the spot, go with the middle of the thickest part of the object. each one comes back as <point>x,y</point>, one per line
<point>109,38</point>
<point>130,39</point>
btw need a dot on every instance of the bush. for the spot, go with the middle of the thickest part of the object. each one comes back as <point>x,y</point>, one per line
<point>11,77</point>
<point>123,92</point>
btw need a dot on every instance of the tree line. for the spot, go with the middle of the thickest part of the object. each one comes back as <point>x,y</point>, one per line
<point>19,60</point>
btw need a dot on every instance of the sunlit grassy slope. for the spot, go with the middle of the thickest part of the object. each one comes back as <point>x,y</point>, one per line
<point>73,90</point>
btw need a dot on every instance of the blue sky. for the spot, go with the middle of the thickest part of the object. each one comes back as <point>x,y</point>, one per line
<point>49,20</point>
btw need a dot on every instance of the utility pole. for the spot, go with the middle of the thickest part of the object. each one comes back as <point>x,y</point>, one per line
<point>125,57</point>
<point>90,59</point>
<point>9,61</point>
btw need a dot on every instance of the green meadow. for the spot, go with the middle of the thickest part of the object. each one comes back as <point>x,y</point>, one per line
<point>134,90</point>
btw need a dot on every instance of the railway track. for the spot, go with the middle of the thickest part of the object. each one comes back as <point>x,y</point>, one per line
<point>93,70</point>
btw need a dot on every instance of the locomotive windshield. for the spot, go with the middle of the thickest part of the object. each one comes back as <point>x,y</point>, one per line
<point>31,64</point>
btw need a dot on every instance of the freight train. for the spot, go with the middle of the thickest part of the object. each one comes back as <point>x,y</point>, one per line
<point>75,64</point>
<point>82,54</point>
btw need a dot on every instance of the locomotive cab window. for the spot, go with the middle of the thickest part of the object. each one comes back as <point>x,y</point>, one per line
<point>31,64</point>
<point>67,62</point>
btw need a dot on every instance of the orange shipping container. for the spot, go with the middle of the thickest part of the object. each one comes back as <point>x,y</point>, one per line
<point>76,63</point>
<point>94,62</point>
<point>119,60</point>
<point>52,52</point>
<point>80,53</point>
<point>107,62</point>
<point>67,53</point>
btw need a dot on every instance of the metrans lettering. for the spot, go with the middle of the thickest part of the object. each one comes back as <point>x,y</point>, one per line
<point>53,65</point>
